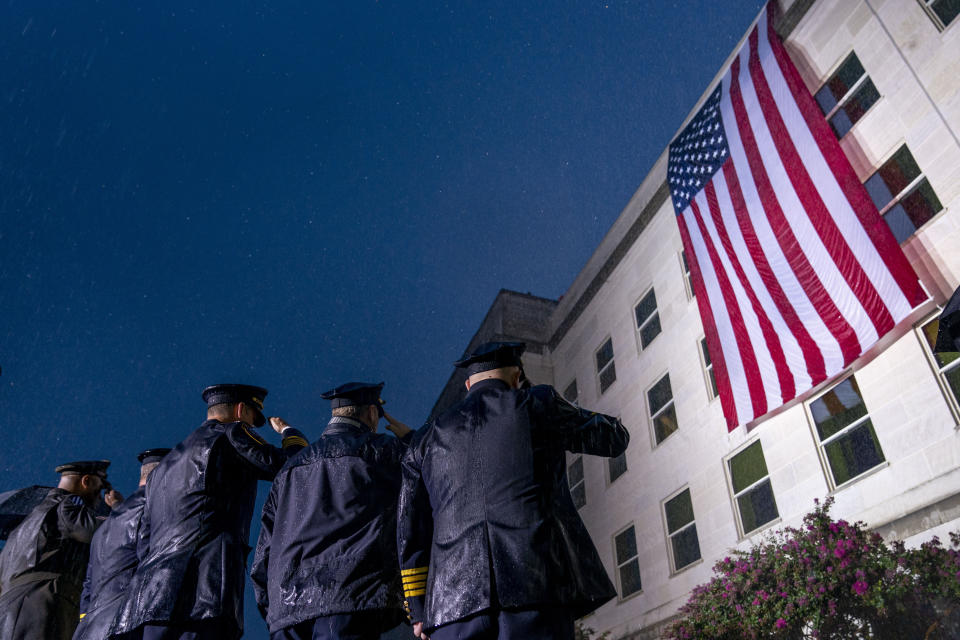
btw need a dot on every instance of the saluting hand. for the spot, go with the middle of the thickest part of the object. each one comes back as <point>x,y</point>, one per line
<point>278,424</point>
<point>396,427</point>
<point>112,498</point>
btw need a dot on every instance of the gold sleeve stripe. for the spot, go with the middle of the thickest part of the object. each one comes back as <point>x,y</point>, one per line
<point>413,594</point>
<point>256,438</point>
<point>81,615</point>
<point>414,571</point>
<point>415,585</point>
<point>292,440</point>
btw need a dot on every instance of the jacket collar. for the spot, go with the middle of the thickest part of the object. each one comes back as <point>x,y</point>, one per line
<point>342,424</point>
<point>489,383</point>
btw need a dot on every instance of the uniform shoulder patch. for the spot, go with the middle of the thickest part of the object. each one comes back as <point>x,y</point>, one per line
<point>252,435</point>
<point>77,500</point>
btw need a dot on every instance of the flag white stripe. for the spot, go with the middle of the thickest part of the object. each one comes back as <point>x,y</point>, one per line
<point>721,317</point>
<point>826,269</point>
<point>826,183</point>
<point>796,296</point>
<point>788,342</point>
<point>768,370</point>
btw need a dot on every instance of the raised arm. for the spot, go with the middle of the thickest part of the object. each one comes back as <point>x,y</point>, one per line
<point>265,458</point>
<point>76,520</point>
<point>578,430</point>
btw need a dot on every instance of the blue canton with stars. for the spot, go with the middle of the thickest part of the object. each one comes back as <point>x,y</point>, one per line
<point>697,153</point>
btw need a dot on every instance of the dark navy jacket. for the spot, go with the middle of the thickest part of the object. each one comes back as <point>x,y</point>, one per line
<point>486,519</point>
<point>328,539</point>
<point>113,559</point>
<point>42,568</point>
<point>196,525</point>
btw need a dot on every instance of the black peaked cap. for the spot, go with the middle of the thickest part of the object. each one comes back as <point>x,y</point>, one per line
<point>85,467</point>
<point>248,394</point>
<point>492,355</point>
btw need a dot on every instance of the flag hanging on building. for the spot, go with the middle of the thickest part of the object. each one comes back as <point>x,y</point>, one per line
<point>795,272</point>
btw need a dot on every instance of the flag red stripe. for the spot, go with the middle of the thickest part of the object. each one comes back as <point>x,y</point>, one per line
<point>833,240</point>
<point>816,368</point>
<point>758,398</point>
<point>710,330</point>
<point>785,378</point>
<point>856,193</point>
<point>806,275</point>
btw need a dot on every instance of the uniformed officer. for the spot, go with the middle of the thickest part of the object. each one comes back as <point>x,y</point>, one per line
<point>326,561</point>
<point>113,558</point>
<point>44,560</point>
<point>491,545</point>
<point>196,522</point>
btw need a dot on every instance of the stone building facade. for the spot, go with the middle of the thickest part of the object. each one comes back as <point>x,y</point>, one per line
<point>626,338</point>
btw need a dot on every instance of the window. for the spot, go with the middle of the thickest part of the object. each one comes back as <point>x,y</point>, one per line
<point>648,320</point>
<point>847,95</point>
<point>947,365</point>
<point>904,197</point>
<point>847,439</point>
<point>681,530</point>
<point>628,566</point>
<point>662,412</point>
<point>617,466</point>
<point>606,368</point>
<point>570,393</point>
<point>578,489</point>
<point>752,491</point>
<point>942,12</point>
<point>708,370</point>
<point>687,278</point>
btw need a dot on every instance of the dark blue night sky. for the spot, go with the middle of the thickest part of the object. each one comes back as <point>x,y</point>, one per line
<point>299,194</point>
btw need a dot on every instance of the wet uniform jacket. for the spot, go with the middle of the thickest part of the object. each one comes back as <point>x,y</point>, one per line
<point>328,539</point>
<point>196,524</point>
<point>486,519</point>
<point>42,568</point>
<point>113,559</point>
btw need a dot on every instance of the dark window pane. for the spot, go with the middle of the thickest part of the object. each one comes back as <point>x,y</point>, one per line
<point>626,544</point>
<point>706,352</point>
<point>839,407</point>
<point>646,308</point>
<point>571,392</point>
<point>665,423</point>
<point>650,331</point>
<point>605,354</point>
<point>854,108</point>
<point>854,452</point>
<point>946,10</point>
<point>748,467</point>
<point>579,495</point>
<point>660,394</point>
<point>575,471</point>
<point>757,507</point>
<point>607,377</point>
<point>683,258</point>
<point>686,547</point>
<point>921,204</point>
<point>879,191</point>
<point>953,378</point>
<point>713,383</point>
<point>840,83</point>
<point>618,466</point>
<point>899,223</point>
<point>899,171</point>
<point>679,510</point>
<point>629,578</point>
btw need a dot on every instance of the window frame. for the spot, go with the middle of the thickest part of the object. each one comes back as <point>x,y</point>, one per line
<point>651,417</point>
<point>820,445</point>
<point>637,327</point>
<point>852,91</point>
<point>953,403</point>
<point>707,369</point>
<point>609,462</point>
<point>572,383</point>
<point>617,565</point>
<point>728,472</point>
<point>612,362</point>
<point>908,190</point>
<point>671,561</point>
<point>583,480</point>
<point>687,275</point>
<point>927,7</point>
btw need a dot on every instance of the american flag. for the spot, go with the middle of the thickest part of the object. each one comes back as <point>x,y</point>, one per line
<point>795,272</point>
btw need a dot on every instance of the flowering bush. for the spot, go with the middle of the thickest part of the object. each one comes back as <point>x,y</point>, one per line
<point>828,579</point>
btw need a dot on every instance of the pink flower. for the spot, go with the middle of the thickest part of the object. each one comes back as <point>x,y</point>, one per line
<point>860,587</point>
<point>781,623</point>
